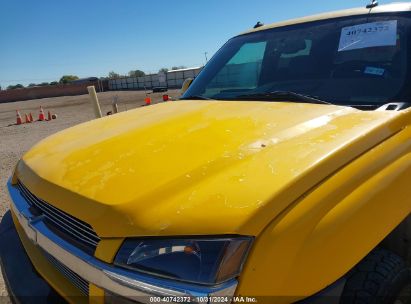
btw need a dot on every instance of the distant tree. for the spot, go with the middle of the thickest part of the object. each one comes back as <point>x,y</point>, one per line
<point>113,75</point>
<point>54,83</point>
<point>136,73</point>
<point>68,78</point>
<point>178,67</point>
<point>17,86</point>
<point>163,70</point>
<point>43,84</point>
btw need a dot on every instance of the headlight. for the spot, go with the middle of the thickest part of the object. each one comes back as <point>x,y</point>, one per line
<point>199,260</point>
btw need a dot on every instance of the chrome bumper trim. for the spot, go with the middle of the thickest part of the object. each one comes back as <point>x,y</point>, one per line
<point>119,281</point>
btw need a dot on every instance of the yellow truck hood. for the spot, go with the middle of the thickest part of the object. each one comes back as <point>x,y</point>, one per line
<point>197,167</point>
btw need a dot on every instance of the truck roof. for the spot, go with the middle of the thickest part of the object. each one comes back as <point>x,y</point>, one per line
<point>387,8</point>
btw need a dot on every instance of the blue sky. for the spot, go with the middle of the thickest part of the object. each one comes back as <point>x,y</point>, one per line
<point>43,40</point>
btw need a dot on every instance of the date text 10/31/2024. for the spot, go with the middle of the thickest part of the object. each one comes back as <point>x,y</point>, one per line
<point>203,300</point>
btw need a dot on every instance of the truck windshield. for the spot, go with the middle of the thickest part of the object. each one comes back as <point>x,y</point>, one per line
<point>356,61</point>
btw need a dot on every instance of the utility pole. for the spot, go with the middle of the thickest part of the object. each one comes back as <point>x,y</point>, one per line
<point>205,54</point>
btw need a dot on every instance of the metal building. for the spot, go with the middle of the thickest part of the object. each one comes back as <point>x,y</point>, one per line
<point>171,79</point>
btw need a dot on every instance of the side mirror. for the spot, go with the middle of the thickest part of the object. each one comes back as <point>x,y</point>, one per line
<point>186,85</point>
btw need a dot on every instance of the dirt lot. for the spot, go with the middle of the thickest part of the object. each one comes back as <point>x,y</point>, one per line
<point>70,110</point>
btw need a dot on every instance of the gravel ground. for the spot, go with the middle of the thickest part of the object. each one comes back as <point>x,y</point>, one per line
<point>70,110</point>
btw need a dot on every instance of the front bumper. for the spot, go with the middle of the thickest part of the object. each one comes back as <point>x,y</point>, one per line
<point>23,282</point>
<point>116,281</point>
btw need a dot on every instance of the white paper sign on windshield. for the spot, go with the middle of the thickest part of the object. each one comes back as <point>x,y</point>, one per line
<point>366,35</point>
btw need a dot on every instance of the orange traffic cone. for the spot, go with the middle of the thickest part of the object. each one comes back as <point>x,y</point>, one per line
<point>42,117</point>
<point>19,120</point>
<point>31,117</point>
<point>26,118</point>
<point>147,100</point>
<point>49,116</point>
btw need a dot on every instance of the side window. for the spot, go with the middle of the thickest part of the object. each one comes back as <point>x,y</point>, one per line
<point>242,71</point>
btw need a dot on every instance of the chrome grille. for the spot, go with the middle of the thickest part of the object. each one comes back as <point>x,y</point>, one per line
<point>61,221</point>
<point>73,277</point>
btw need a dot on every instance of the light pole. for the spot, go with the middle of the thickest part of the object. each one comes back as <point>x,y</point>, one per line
<point>205,54</point>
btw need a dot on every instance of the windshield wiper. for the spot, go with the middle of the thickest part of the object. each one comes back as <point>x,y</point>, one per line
<point>195,97</point>
<point>282,96</point>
